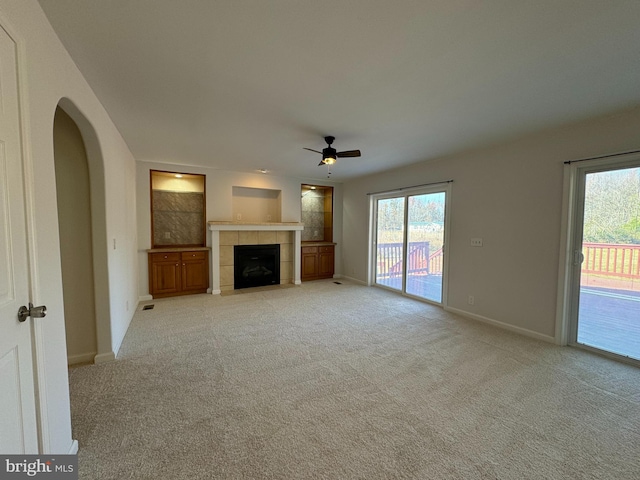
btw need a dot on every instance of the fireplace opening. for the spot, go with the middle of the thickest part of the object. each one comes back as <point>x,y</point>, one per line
<point>256,265</point>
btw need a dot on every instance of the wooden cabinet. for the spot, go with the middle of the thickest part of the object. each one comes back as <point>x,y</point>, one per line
<point>178,273</point>
<point>317,261</point>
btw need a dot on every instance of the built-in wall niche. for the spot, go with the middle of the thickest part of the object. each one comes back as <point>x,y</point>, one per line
<point>317,213</point>
<point>177,209</point>
<point>256,205</point>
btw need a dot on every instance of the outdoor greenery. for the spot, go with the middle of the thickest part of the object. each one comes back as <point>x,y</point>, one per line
<point>612,207</point>
<point>426,220</point>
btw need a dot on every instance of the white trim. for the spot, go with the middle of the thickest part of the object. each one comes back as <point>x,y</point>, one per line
<point>104,358</point>
<point>73,450</point>
<point>216,292</point>
<point>81,358</point>
<point>144,298</point>
<point>564,266</point>
<point>231,226</point>
<point>354,280</point>
<point>503,325</point>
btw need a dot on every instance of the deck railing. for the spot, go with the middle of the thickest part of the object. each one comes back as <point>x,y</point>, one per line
<point>420,262</point>
<point>613,260</point>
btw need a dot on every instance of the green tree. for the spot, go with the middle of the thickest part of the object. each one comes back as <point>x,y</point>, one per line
<point>612,207</point>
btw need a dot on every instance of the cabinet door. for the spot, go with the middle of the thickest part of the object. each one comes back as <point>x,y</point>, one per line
<point>309,266</point>
<point>325,267</point>
<point>165,277</point>
<point>195,271</point>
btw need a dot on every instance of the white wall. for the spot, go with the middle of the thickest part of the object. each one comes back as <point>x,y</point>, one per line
<point>47,75</point>
<point>219,205</point>
<point>511,196</point>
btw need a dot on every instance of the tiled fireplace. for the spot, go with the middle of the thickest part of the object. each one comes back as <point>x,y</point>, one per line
<point>225,235</point>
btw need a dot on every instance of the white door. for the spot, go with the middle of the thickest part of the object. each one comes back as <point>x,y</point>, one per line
<point>17,404</point>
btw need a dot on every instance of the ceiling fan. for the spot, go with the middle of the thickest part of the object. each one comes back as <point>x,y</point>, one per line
<point>329,154</point>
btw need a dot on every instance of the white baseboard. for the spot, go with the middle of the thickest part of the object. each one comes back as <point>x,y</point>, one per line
<point>216,292</point>
<point>144,298</point>
<point>505,326</point>
<point>81,358</point>
<point>351,279</point>
<point>73,450</point>
<point>297,282</point>
<point>104,357</point>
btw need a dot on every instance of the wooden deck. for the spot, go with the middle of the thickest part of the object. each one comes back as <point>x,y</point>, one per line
<point>609,319</point>
<point>425,286</point>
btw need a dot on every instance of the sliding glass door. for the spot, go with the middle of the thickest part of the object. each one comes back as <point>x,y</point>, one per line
<point>409,243</point>
<point>608,313</point>
<point>602,279</point>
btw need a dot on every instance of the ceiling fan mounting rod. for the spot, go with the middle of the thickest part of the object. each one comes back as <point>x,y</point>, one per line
<point>329,139</point>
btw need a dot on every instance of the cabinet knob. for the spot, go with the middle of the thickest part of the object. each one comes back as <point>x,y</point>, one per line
<point>166,256</point>
<point>176,264</point>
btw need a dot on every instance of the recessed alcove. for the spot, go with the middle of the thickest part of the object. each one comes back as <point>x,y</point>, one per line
<point>177,209</point>
<point>317,213</point>
<point>259,205</point>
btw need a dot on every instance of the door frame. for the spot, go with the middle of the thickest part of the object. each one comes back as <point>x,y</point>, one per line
<point>570,264</point>
<point>373,228</point>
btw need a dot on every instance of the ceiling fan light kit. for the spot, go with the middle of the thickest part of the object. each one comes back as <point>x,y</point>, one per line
<point>330,155</point>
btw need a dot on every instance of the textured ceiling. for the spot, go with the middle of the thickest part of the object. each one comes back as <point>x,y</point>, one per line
<point>243,85</point>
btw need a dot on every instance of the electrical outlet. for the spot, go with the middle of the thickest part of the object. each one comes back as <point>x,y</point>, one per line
<point>268,218</point>
<point>127,305</point>
<point>471,300</point>
<point>167,235</point>
<point>476,242</point>
<point>238,216</point>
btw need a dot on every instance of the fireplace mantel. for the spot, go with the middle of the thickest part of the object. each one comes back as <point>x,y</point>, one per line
<point>222,226</point>
<point>243,226</point>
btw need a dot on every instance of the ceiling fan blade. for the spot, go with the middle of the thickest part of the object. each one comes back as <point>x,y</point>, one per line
<point>312,150</point>
<point>321,163</point>
<point>349,153</point>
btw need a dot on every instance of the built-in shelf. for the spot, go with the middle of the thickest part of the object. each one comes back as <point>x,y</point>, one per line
<point>317,213</point>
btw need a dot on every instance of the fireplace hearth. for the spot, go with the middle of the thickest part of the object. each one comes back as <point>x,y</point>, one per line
<point>256,265</point>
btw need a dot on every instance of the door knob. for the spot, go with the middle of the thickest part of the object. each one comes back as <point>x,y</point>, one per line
<point>34,312</point>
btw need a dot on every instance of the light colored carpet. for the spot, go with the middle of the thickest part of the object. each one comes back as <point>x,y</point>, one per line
<point>327,381</point>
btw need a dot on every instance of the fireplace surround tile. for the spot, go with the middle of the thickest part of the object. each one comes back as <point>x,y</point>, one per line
<point>225,235</point>
<point>229,238</point>
<point>284,237</point>
<point>226,255</point>
<point>249,237</point>
<point>226,276</point>
<point>266,237</point>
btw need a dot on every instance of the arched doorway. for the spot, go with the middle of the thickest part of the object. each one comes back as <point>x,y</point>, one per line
<point>80,190</point>
<point>73,194</point>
